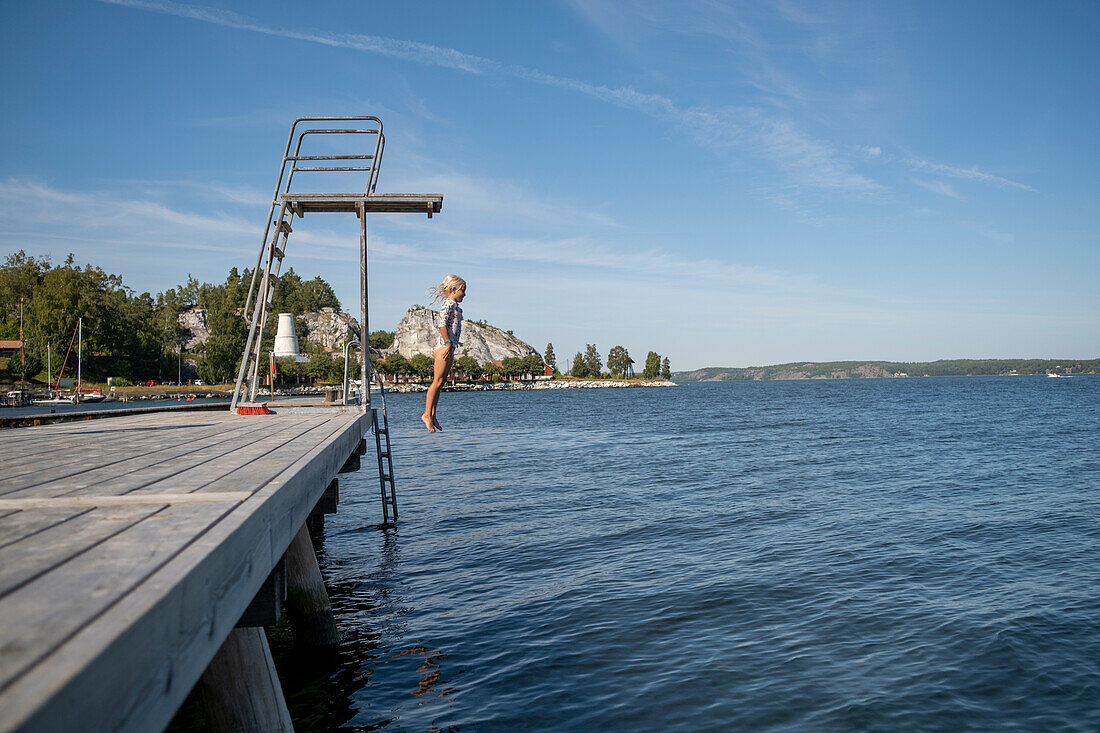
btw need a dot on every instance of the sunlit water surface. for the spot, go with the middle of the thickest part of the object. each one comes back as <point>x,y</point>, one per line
<point>918,554</point>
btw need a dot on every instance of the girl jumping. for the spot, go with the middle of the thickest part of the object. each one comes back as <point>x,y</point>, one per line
<point>451,292</point>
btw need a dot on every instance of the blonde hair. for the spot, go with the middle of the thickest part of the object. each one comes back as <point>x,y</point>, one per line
<point>451,284</point>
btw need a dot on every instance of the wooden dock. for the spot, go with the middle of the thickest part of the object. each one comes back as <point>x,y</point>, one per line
<point>131,546</point>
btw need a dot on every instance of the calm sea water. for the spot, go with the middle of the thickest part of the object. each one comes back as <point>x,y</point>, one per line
<point>918,554</point>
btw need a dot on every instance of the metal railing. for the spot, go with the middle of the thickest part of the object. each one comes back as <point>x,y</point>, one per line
<point>293,160</point>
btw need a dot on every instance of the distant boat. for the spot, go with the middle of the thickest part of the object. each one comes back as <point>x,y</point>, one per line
<point>1052,374</point>
<point>54,398</point>
<point>93,396</point>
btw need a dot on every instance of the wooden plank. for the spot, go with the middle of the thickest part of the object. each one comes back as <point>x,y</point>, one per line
<point>46,443</point>
<point>135,472</point>
<point>45,440</point>
<point>129,668</point>
<point>61,502</point>
<point>21,562</point>
<point>17,524</point>
<point>40,615</point>
<point>22,421</point>
<point>88,447</point>
<point>248,467</point>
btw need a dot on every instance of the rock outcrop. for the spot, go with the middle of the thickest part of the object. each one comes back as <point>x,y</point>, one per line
<point>195,330</point>
<point>417,331</point>
<point>329,328</point>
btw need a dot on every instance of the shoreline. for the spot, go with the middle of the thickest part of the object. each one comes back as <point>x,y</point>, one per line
<point>540,385</point>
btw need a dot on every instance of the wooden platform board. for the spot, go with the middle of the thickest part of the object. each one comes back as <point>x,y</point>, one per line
<point>130,546</point>
<point>377,203</point>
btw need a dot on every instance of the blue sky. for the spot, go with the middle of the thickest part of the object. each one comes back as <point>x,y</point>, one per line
<point>728,184</point>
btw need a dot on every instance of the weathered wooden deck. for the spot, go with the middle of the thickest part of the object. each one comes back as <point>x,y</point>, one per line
<point>130,546</point>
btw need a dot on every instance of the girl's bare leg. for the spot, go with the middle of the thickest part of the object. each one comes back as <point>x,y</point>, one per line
<point>431,399</point>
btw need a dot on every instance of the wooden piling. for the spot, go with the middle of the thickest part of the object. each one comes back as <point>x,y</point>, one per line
<point>240,689</point>
<point>307,601</point>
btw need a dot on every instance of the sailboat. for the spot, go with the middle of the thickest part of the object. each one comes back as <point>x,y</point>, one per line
<point>78,396</point>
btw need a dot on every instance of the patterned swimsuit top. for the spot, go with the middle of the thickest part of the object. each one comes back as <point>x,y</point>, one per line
<point>450,315</point>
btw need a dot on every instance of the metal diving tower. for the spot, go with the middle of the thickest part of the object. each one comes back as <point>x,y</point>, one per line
<point>319,135</point>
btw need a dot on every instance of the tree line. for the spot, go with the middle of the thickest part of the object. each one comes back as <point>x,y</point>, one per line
<point>465,366</point>
<point>619,364</point>
<point>137,336</point>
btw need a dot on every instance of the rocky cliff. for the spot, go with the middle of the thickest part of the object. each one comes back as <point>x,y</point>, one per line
<point>417,331</point>
<point>327,327</point>
<point>195,330</point>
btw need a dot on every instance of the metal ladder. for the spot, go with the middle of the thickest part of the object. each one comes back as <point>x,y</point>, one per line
<point>272,260</point>
<point>381,429</point>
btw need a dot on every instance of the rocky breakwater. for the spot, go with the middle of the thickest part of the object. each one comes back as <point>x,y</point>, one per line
<point>417,332</point>
<point>528,384</point>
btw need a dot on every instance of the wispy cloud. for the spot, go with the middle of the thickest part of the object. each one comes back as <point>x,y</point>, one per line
<point>968,174</point>
<point>813,163</point>
<point>943,188</point>
<point>110,220</point>
<point>107,220</point>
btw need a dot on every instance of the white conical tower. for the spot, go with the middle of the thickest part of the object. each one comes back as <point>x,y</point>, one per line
<point>286,340</point>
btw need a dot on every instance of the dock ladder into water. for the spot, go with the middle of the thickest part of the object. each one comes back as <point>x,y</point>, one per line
<point>312,141</point>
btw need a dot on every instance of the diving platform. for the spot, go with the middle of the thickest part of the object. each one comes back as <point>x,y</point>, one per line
<point>372,203</point>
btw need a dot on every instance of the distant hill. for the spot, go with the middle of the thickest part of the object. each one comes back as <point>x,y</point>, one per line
<point>890,369</point>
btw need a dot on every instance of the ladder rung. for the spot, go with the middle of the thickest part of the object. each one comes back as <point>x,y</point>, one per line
<point>315,169</point>
<point>278,253</point>
<point>284,226</point>
<point>330,157</point>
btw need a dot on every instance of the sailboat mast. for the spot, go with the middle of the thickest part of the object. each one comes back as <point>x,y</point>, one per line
<point>22,353</point>
<point>79,350</point>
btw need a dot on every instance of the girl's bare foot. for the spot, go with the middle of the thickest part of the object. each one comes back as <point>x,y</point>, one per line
<point>437,425</point>
<point>427,423</point>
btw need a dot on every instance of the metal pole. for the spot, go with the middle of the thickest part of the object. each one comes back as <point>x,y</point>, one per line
<point>364,330</point>
<point>22,356</point>
<point>347,352</point>
<point>79,353</point>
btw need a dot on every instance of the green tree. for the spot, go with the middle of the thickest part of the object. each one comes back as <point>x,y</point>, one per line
<point>580,368</point>
<point>468,365</point>
<point>381,339</point>
<point>20,276</point>
<point>511,366</point>
<point>666,372</point>
<point>550,358</point>
<point>618,361</point>
<point>492,371</point>
<point>533,365</point>
<point>652,365</point>
<point>398,365</point>
<point>120,337</point>
<point>220,356</point>
<point>293,295</point>
<point>422,365</point>
<point>592,362</point>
